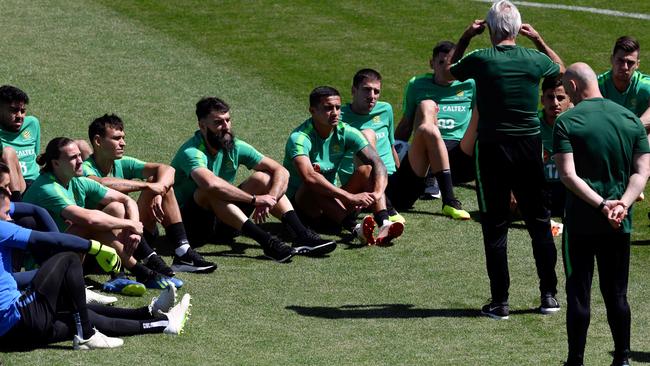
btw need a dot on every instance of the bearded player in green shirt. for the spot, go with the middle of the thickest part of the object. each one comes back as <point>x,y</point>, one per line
<point>602,153</point>
<point>508,149</point>
<point>313,155</point>
<point>213,208</point>
<point>157,202</point>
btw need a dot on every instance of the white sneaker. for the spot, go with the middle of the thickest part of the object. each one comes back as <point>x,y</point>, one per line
<point>164,302</point>
<point>96,298</point>
<point>98,340</point>
<point>178,315</point>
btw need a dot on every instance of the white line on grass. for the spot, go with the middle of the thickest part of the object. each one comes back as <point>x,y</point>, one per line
<point>615,13</point>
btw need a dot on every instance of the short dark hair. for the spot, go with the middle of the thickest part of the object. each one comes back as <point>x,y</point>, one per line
<point>626,44</point>
<point>551,82</point>
<point>365,74</point>
<point>98,126</point>
<point>208,105</point>
<point>52,152</point>
<point>443,47</point>
<point>322,92</point>
<point>10,94</point>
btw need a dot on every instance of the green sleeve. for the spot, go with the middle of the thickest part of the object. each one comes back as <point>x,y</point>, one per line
<point>37,131</point>
<point>551,69</point>
<point>94,192</point>
<point>298,144</point>
<point>89,169</point>
<point>561,141</point>
<point>463,69</point>
<point>354,140</point>
<point>408,102</point>
<point>391,126</point>
<point>247,155</point>
<point>641,144</point>
<point>132,168</point>
<point>190,159</point>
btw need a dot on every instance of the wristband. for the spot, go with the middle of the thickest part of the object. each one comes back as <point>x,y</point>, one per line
<point>602,205</point>
<point>95,247</point>
<point>253,200</point>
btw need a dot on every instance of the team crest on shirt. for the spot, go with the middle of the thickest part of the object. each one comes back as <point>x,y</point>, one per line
<point>633,103</point>
<point>376,119</point>
<point>460,93</point>
<point>336,149</point>
<point>26,134</point>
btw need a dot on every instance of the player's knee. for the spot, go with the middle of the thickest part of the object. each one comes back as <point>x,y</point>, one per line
<point>428,130</point>
<point>115,209</point>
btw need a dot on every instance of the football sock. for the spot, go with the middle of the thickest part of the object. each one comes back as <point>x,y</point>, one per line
<point>181,250</point>
<point>290,219</point>
<point>255,232</point>
<point>143,250</point>
<point>141,272</point>
<point>176,233</point>
<point>149,237</point>
<point>389,206</point>
<point>446,188</point>
<point>380,216</point>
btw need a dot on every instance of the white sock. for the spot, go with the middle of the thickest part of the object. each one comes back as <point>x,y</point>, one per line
<point>180,251</point>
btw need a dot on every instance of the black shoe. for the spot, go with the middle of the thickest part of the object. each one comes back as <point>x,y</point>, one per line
<point>549,304</point>
<point>496,311</point>
<point>192,262</point>
<point>431,189</point>
<point>311,244</point>
<point>278,250</point>
<point>157,264</point>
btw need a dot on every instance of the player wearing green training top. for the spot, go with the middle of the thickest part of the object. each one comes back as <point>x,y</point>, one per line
<point>85,208</point>
<point>509,148</point>
<point>20,136</point>
<point>157,202</point>
<point>457,117</point>
<point>554,101</point>
<point>624,84</point>
<point>313,155</point>
<point>602,153</point>
<point>212,207</point>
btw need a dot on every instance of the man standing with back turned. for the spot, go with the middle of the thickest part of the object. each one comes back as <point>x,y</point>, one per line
<point>508,151</point>
<point>602,153</point>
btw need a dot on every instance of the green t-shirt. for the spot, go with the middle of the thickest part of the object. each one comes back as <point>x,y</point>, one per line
<point>635,98</point>
<point>381,121</point>
<point>325,154</point>
<point>603,137</point>
<point>550,169</point>
<point>193,154</point>
<point>47,192</point>
<point>507,86</point>
<point>124,168</point>
<point>27,143</point>
<point>456,102</point>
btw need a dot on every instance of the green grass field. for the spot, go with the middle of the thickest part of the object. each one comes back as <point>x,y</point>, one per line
<point>415,303</point>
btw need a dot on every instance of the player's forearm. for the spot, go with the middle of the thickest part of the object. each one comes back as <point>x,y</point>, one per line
<point>318,184</point>
<point>279,183</point>
<point>581,189</point>
<point>461,47</point>
<point>39,240</point>
<point>99,221</point>
<point>548,51</point>
<point>165,176</point>
<point>229,193</point>
<point>123,185</point>
<point>634,188</point>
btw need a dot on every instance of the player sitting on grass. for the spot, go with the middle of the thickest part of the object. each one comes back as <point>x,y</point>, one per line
<point>213,208</point>
<point>457,118</point>
<point>85,208</point>
<point>313,155</point>
<point>54,308</point>
<point>157,203</point>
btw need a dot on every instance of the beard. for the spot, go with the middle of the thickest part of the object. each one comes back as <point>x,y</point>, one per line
<point>225,141</point>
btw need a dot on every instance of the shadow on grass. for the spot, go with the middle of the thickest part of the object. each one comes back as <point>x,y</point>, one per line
<point>381,311</point>
<point>390,311</point>
<point>641,242</point>
<point>639,356</point>
<point>7,348</point>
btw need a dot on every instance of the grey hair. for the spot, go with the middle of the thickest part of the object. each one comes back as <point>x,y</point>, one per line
<point>504,21</point>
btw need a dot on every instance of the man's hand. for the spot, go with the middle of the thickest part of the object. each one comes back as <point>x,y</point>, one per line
<point>157,209</point>
<point>616,211</point>
<point>157,188</point>
<point>528,31</point>
<point>263,205</point>
<point>360,200</point>
<point>477,27</point>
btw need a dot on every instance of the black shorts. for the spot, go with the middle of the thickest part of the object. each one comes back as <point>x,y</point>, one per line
<point>461,164</point>
<point>404,186</point>
<point>202,226</point>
